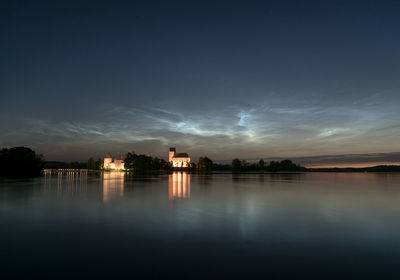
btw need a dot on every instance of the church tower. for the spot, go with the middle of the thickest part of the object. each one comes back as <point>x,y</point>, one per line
<point>107,161</point>
<point>172,152</point>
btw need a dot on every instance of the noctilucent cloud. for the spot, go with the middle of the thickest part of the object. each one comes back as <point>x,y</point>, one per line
<point>247,79</point>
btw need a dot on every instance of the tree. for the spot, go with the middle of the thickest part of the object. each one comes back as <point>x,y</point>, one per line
<point>261,164</point>
<point>273,166</point>
<point>204,164</point>
<point>164,165</point>
<point>99,164</point>
<point>245,165</point>
<point>236,165</point>
<point>141,163</point>
<point>20,162</point>
<point>129,161</point>
<point>3,161</point>
<point>284,165</point>
<point>91,164</point>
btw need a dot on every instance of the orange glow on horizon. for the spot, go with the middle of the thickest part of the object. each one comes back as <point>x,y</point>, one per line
<point>350,165</point>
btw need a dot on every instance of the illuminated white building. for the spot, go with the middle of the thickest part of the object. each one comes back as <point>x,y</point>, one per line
<point>116,164</point>
<point>178,160</point>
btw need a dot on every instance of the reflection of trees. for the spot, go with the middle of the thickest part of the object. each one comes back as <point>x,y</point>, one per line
<point>286,176</point>
<point>204,179</point>
<point>113,185</point>
<point>179,185</point>
<point>272,177</point>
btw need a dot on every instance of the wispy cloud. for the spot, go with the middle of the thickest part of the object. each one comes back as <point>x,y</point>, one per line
<point>240,131</point>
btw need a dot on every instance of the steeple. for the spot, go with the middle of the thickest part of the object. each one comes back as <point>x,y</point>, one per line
<point>172,152</point>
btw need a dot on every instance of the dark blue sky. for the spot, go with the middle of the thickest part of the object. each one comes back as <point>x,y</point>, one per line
<point>227,79</point>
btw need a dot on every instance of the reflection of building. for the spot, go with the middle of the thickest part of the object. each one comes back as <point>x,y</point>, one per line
<point>113,185</point>
<point>116,164</point>
<point>178,160</point>
<point>179,185</point>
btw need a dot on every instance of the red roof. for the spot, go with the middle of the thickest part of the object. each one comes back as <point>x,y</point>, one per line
<point>181,155</point>
<point>119,158</point>
<point>108,155</point>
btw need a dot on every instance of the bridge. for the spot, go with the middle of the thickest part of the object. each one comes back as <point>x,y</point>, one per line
<point>70,170</point>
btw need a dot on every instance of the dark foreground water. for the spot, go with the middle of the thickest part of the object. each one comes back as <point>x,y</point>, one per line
<point>298,226</point>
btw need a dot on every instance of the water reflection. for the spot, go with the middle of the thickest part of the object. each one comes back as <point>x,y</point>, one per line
<point>68,182</point>
<point>179,185</point>
<point>338,222</point>
<point>113,185</point>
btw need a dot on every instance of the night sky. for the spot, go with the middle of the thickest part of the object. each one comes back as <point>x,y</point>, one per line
<point>247,79</point>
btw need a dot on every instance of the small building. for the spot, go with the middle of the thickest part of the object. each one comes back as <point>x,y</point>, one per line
<point>178,160</point>
<point>116,164</point>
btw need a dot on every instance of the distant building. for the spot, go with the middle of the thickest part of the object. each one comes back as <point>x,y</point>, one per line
<point>116,164</point>
<point>178,160</point>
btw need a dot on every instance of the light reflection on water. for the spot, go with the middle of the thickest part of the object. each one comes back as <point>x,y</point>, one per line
<point>179,185</point>
<point>68,182</point>
<point>240,223</point>
<point>113,185</point>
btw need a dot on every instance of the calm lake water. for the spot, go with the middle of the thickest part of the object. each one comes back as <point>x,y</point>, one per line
<point>302,226</point>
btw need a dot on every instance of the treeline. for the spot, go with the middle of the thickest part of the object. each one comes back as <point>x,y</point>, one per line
<point>23,162</point>
<point>148,164</point>
<point>273,166</point>
<point>65,165</point>
<point>91,164</point>
<point>205,164</point>
<point>95,164</point>
<point>145,164</point>
<point>20,162</point>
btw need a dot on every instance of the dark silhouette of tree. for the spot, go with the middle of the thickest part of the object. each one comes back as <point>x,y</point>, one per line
<point>91,164</point>
<point>99,164</point>
<point>274,166</point>
<point>20,162</point>
<point>204,164</point>
<point>155,165</point>
<point>3,161</point>
<point>236,165</point>
<point>261,164</point>
<point>144,164</point>
<point>284,165</point>
<point>245,165</point>
<point>164,165</point>
<point>222,167</point>
<point>129,161</point>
